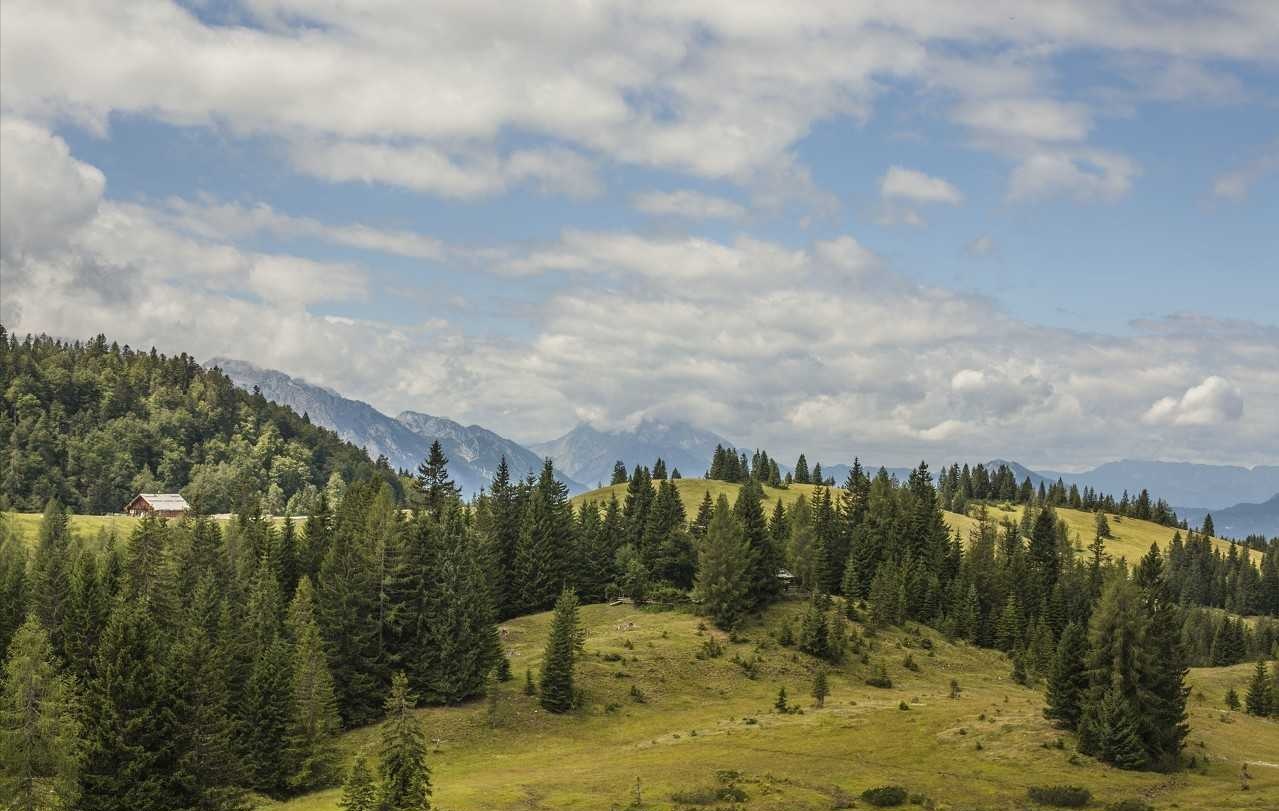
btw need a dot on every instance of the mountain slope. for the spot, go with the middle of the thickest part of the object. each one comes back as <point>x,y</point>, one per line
<point>1181,484</point>
<point>473,451</point>
<point>1241,520</point>
<point>588,454</point>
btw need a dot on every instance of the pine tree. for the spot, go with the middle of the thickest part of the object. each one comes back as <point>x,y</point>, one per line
<point>813,639</point>
<point>311,752</point>
<point>1068,679</point>
<point>13,582</point>
<point>49,580</point>
<point>619,473</point>
<point>1115,728</point>
<point>821,687</point>
<point>41,748</point>
<point>542,562</point>
<point>130,721</point>
<point>208,770</point>
<point>560,658</point>
<point>724,568</point>
<point>358,792</point>
<point>346,601</point>
<point>433,482</point>
<point>87,607</point>
<point>268,707</point>
<point>801,470</point>
<point>765,558</point>
<point>1232,699</point>
<point>405,777</point>
<point>1258,699</point>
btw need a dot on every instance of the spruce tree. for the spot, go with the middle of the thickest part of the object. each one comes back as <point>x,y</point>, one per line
<point>13,582</point>
<point>821,687</point>
<point>405,778</point>
<point>358,791</point>
<point>765,559</point>
<point>559,659</point>
<point>724,568</point>
<point>542,557</point>
<point>268,709</point>
<point>801,470</point>
<point>87,607</point>
<point>503,538</point>
<point>41,744</point>
<point>619,473</point>
<point>1258,700</point>
<point>436,488</point>
<point>49,579</point>
<point>1115,727</point>
<point>130,722</point>
<point>1068,679</point>
<point>311,751</point>
<point>208,771</point>
<point>813,639</point>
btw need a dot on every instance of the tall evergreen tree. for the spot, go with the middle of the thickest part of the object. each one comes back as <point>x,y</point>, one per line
<point>765,559</point>
<point>49,579</point>
<point>725,563</point>
<point>560,657</point>
<point>1068,679</point>
<point>619,473</point>
<point>546,545</point>
<point>13,582</point>
<point>503,539</point>
<point>405,777</point>
<point>358,791</point>
<point>130,722</point>
<point>311,752</point>
<point>436,488</point>
<point>268,709</point>
<point>41,748</point>
<point>1259,699</point>
<point>801,470</point>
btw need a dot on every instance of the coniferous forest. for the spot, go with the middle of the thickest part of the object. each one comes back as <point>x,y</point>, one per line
<point>198,663</point>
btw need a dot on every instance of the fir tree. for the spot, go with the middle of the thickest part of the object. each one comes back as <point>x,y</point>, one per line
<point>821,687</point>
<point>13,582</point>
<point>546,539</point>
<point>619,473</point>
<point>49,580</point>
<point>1232,699</point>
<point>724,568</point>
<point>129,720</point>
<point>1258,700</point>
<point>405,778</point>
<point>268,708</point>
<point>765,559</point>
<point>560,658</point>
<point>813,639</point>
<point>41,748</point>
<point>1115,730</point>
<point>503,539</point>
<point>801,470</point>
<point>87,607</point>
<point>433,482</point>
<point>311,752</point>
<point>358,791</point>
<point>1068,679</point>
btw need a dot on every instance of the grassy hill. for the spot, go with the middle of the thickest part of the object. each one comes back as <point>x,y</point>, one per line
<point>704,719</point>
<point>1132,538</point>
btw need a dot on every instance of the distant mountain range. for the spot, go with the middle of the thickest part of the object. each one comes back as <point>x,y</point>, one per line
<point>473,451</point>
<point>1242,500</point>
<point>1240,520</point>
<point>588,454</point>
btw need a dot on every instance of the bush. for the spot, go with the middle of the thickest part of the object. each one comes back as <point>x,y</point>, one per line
<point>709,795</point>
<point>909,663</point>
<point>711,649</point>
<point>885,796</point>
<point>879,678</point>
<point>1063,796</point>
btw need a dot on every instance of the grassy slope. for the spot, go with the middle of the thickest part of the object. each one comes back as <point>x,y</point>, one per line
<point>1132,538</point>
<point>693,724</point>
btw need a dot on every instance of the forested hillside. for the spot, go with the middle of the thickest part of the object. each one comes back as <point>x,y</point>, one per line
<point>93,423</point>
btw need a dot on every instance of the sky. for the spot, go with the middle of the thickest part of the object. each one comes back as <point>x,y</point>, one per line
<point>960,229</point>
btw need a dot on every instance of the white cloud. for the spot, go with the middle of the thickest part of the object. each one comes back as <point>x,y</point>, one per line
<point>426,95</point>
<point>1235,184</point>
<point>1213,402</point>
<point>429,169</point>
<point>43,190</point>
<point>1086,176</point>
<point>688,204</point>
<point>910,184</point>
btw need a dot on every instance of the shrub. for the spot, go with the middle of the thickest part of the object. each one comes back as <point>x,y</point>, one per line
<point>709,794</point>
<point>879,678</point>
<point>711,649</point>
<point>1062,796</point>
<point>910,664</point>
<point>885,796</point>
<point>902,705</point>
<point>637,695</point>
<point>786,636</point>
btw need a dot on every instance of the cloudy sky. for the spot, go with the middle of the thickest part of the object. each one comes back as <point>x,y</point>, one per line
<point>1045,231</point>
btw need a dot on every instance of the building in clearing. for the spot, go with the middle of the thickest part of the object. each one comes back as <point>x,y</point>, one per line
<point>169,505</point>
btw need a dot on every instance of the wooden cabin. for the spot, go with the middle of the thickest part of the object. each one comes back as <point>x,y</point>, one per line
<point>169,505</point>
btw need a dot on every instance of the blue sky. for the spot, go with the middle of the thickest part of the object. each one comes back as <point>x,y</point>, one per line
<point>1044,232</point>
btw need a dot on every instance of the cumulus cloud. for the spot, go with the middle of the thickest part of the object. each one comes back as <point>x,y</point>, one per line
<point>688,204</point>
<point>428,102</point>
<point>910,184</point>
<point>1214,401</point>
<point>1086,176</point>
